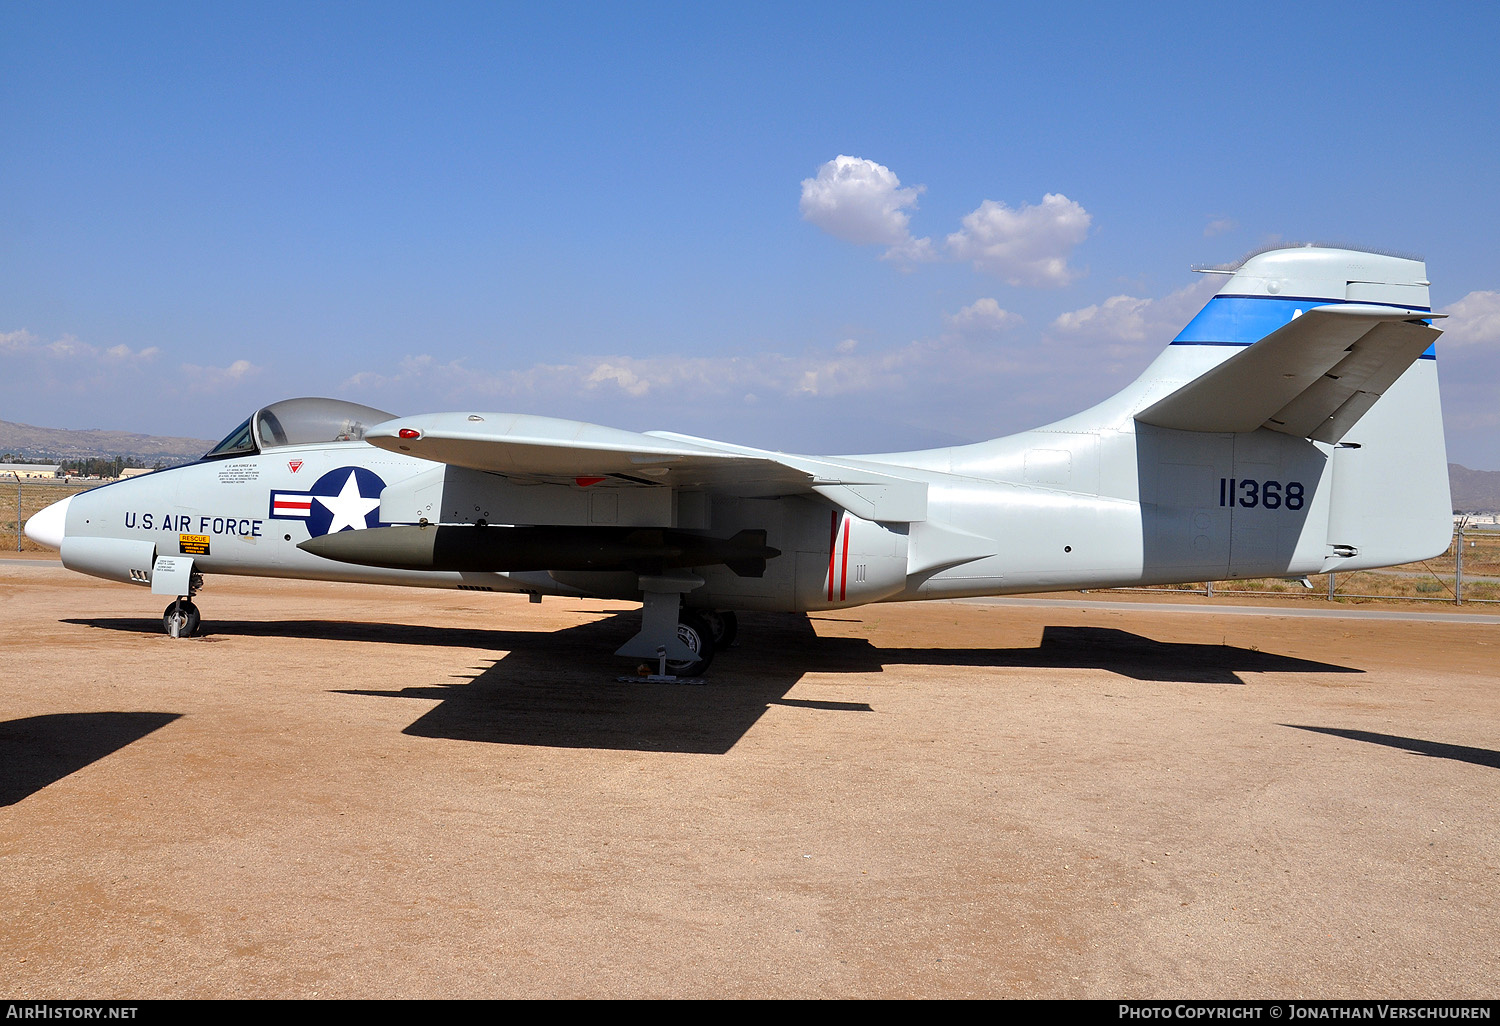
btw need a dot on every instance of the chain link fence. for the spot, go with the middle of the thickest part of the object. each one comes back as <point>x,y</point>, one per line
<point>20,497</point>
<point>1468,572</point>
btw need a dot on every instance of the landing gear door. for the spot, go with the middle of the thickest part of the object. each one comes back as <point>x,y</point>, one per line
<point>172,575</point>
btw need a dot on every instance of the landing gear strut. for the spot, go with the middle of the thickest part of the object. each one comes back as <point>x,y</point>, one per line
<point>678,643</point>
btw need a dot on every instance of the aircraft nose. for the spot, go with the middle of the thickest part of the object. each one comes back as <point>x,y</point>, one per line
<point>48,526</point>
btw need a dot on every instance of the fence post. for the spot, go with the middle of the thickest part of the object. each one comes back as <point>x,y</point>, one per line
<point>1458,565</point>
<point>1330,587</point>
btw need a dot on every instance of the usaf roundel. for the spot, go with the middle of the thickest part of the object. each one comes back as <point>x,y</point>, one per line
<point>346,499</point>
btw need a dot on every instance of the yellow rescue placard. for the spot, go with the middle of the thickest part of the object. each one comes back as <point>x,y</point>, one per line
<point>193,544</point>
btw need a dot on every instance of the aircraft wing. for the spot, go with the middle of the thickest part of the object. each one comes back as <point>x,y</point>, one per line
<point>1313,378</point>
<point>550,449</point>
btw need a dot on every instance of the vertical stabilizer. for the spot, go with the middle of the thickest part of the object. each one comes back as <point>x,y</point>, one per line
<point>1334,346</point>
<point>1293,426</point>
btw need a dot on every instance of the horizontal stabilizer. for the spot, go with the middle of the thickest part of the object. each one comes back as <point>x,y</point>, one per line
<point>1313,378</point>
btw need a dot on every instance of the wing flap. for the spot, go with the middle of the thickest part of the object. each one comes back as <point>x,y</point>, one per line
<point>1314,377</point>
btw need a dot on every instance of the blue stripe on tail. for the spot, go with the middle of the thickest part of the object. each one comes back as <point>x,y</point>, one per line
<point>1243,320</point>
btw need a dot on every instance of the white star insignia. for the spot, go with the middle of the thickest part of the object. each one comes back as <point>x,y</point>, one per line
<point>348,506</point>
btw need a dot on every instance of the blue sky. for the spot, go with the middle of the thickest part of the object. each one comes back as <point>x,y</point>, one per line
<point>636,214</point>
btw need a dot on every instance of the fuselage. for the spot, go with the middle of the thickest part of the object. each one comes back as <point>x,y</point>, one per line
<point>1117,503</point>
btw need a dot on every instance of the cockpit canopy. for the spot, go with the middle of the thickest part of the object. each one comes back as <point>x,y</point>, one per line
<point>299,422</point>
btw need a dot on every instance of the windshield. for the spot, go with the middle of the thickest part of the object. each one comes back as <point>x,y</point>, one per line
<point>300,422</point>
<point>237,441</point>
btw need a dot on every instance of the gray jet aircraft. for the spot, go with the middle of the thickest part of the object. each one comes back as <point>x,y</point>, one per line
<point>1292,428</point>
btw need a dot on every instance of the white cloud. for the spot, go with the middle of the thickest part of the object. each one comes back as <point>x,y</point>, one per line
<point>982,317</point>
<point>16,341</point>
<point>1131,319</point>
<point>212,379</point>
<point>1473,319</point>
<point>863,202</point>
<point>1025,246</point>
<point>123,352</point>
<point>634,377</point>
<point>1122,330</point>
<point>44,376</point>
<point>1119,317</point>
<point>912,251</point>
<point>624,378</point>
<point>860,201</point>
<point>845,368</point>
<point>1219,226</point>
<point>68,347</point>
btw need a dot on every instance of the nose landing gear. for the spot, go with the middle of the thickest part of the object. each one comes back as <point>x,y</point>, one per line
<point>181,619</point>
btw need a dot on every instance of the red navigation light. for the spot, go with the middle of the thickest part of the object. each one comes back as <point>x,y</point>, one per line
<point>408,433</point>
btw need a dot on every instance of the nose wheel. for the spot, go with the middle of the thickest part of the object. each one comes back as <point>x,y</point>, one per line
<point>180,619</point>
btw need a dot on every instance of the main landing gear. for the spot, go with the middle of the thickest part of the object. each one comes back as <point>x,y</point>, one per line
<point>678,643</point>
<point>706,632</point>
<point>694,632</point>
<point>703,633</point>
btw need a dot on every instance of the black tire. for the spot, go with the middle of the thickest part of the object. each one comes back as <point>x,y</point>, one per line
<point>723,625</point>
<point>186,616</point>
<point>694,633</point>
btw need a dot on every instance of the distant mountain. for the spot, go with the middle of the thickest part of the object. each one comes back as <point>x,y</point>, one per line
<point>39,443</point>
<point>1474,491</point>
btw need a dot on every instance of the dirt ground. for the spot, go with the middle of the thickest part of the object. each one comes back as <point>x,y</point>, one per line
<point>355,792</point>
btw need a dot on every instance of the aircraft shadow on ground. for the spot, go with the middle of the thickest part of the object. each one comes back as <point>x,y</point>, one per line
<point>39,750</point>
<point>329,630</point>
<point>560,688</point>
<point>556,692</point>
<point>1418,746</point>
<point>1127,654</point>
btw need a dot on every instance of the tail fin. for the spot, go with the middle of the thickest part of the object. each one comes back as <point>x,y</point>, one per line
<point>1292,427</point>
<point>1334,346</point>
<point>1314,363</point>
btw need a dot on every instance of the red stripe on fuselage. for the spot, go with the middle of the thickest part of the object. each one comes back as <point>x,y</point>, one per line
<point>844,570</point>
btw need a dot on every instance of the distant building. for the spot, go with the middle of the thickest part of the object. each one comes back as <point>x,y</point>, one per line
<point>28,470</point>
<point>135,471</point>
